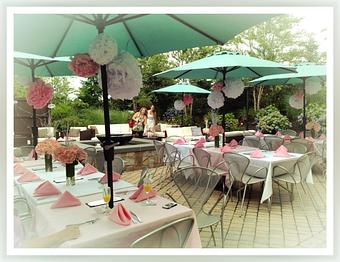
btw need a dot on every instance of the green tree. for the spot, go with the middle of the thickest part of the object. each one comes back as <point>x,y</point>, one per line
<point>19,89</point>
<point>90,92</point>
<point>62,89</point>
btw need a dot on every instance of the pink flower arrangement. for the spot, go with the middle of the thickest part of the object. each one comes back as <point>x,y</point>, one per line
<point>187,100</point>
<point>217,86</point>
<point>69,154</point>
<point>82,65</point>
<point>48,146</point>
<point>215,130</point>
<point>205,131</point>
<point>39,94</point>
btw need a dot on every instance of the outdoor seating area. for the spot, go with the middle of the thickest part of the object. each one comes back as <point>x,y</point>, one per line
<point>196,136</point>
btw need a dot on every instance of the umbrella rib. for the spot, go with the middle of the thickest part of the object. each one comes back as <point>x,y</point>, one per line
<point>18,61</point>
<point>252,70</point>
<point>132,38</point>
<point>217,41</point>
<point>73,17</point>
<point>49,70</point>
<point>288,69</point>
<point>62,38</point>
<point>233,68</point>
<point>182,74</point>
<point>118,20</point>
<point>86,18</point>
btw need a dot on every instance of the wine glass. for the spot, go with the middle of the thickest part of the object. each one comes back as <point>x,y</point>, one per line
<point>147,189</point>
<point>106,197</point>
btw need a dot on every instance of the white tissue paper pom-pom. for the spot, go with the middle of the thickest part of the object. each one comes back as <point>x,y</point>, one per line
<point>312,86</point>
<point>179,105</point>
<point>103,49</point>
<point>215,99</point>
<point>295,102</point>
<point>233,88</point>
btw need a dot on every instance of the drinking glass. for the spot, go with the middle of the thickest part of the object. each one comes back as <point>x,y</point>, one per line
<point>147,189</point>
<point>106,197</point>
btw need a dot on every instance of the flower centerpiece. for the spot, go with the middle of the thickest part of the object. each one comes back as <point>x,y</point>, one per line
<point>47,148</point>
<point>70,156</point>
<point>214,131</point>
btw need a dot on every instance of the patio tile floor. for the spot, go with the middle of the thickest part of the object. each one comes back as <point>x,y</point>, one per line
<point>286,226</point>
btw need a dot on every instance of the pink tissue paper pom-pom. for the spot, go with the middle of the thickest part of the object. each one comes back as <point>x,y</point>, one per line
<point>82,65</point>
<point>217,86</point>
<point>187,100</point>
<point>39,94</point>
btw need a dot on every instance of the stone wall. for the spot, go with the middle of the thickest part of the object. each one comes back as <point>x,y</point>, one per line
<point>138,160</point>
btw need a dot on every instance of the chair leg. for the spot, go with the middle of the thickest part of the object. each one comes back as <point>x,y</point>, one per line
<point>302,205</point>
<point>244,194</point>
<point>213,236</point>
<point>222,233</point>
<point>269,203</point>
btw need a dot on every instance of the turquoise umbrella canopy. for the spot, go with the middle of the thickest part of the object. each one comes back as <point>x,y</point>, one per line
<point>182,88</point>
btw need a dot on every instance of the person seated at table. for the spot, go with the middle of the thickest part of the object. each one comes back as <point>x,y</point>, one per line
<point>51,240</point>
<point>139,119</point>
<point>151,121</point>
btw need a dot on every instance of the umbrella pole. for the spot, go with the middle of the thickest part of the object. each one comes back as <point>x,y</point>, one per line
<point>304,107</point>
<point>34,122</point>
<point>223,108</point>
<point>247,108</point>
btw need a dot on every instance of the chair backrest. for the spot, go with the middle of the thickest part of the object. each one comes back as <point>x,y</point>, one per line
<point>173,138</point>
<point>100,161</point>
<point>26,150</point>
<point>273,142</point>
<point>171,235</point>
<point>312,157</point>
<point>91,155</point>
<point>306,142</point>
<point>296,148</point>
<point>303,164</point>
<point>159,147</point>
<point>202,157</point>
<point>289,132</point>
<point>118,165</point>
<point>196,185</point>
<point>171,153</point>
<point>237,164</point>
<point>252,141</point>
<point>142,176</point>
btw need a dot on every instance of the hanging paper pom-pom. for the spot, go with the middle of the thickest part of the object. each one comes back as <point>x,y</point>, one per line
<point>39,94</point>
<point>233,88</point>
<point>82,65</point>
<point>217,86</point>
<point>103,49</point>
<point>215,99</point>
<point>187,100</point>
<point>179,105</point>
<point>296,100</point>
<point>124,77</point>
<point>312,86</point>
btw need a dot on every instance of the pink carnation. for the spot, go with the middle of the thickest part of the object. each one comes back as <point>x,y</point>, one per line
<point>69,154</point>
<point>39,94</point>
<point>217,86</point>
<point>82,65</point>
<point>47,146</point>
<point>215,130</point>
<point>187,100</point>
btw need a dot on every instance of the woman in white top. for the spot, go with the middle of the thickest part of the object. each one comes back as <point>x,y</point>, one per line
<point>151,120</point>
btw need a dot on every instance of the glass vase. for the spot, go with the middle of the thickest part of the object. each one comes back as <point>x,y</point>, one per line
<point>70,175</point>
<point>48,163</point>
<point>217,141</point>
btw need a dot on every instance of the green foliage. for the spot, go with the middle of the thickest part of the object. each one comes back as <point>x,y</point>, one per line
<point>90,92</point>
<point>19,89</point>
<point>231,122</point>
<point>270,119</point>
<point>62,89</point>
<point>315,112</point>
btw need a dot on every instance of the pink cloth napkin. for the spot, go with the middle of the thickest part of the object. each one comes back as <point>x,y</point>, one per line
<point>120,215</point>
<point>258,134</point>
<point>278,133</point>
<point>233,143</point>
<point>226,149</point>
<point>179,141</point>
<point>322,137</point>
<point>87,169</point>
<point>287,138</point>
<point>66,200</point>
<point>115,177</point>
<point>46,189</point>
<point>256,154</point>
<point>28,176</point>
<point>140,195</point>
<point>19,169</point>
<point>199,144</point>
<point>281,151</point>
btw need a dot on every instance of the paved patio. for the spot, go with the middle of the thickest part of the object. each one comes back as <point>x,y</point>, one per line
<point>287,226</point>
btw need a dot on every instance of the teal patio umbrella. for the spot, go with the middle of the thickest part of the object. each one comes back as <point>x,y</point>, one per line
<point>224,65</point>
<point>305,71</point>
<point>31,65</point>
<point>140,34</point>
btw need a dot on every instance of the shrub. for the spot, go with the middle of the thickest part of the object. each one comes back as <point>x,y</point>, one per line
<point>231,123</point>
<point>270,120</point>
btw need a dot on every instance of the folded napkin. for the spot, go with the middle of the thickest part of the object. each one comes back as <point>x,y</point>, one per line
<point>256,153</point>
<point>66,200</point>
<point>281,151</point>
<point>201,140</point>
<point>322,137</point>
<point>120,215</point>
<point>211,138</point>
<point>278,133</point>
<point>115,177</point>
<point>28,176</point>
<point>199,144</point>
<point>19,169</point>
<point>179,141</point>
<point>233,143</point>
<point>87,169</point>
<point>258,134</point>
<point>46,189</point>
<point>226,149</point>
<point>287,138</point>
<point>140,194</point>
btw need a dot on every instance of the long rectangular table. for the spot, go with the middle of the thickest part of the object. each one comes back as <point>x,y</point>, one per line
<point>104,232</point>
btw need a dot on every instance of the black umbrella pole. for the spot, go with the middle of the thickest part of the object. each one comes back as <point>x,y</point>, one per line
<point>107,145</point>
<point>247,108</point>
<point>34,132</point>
<point>304,108</point>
